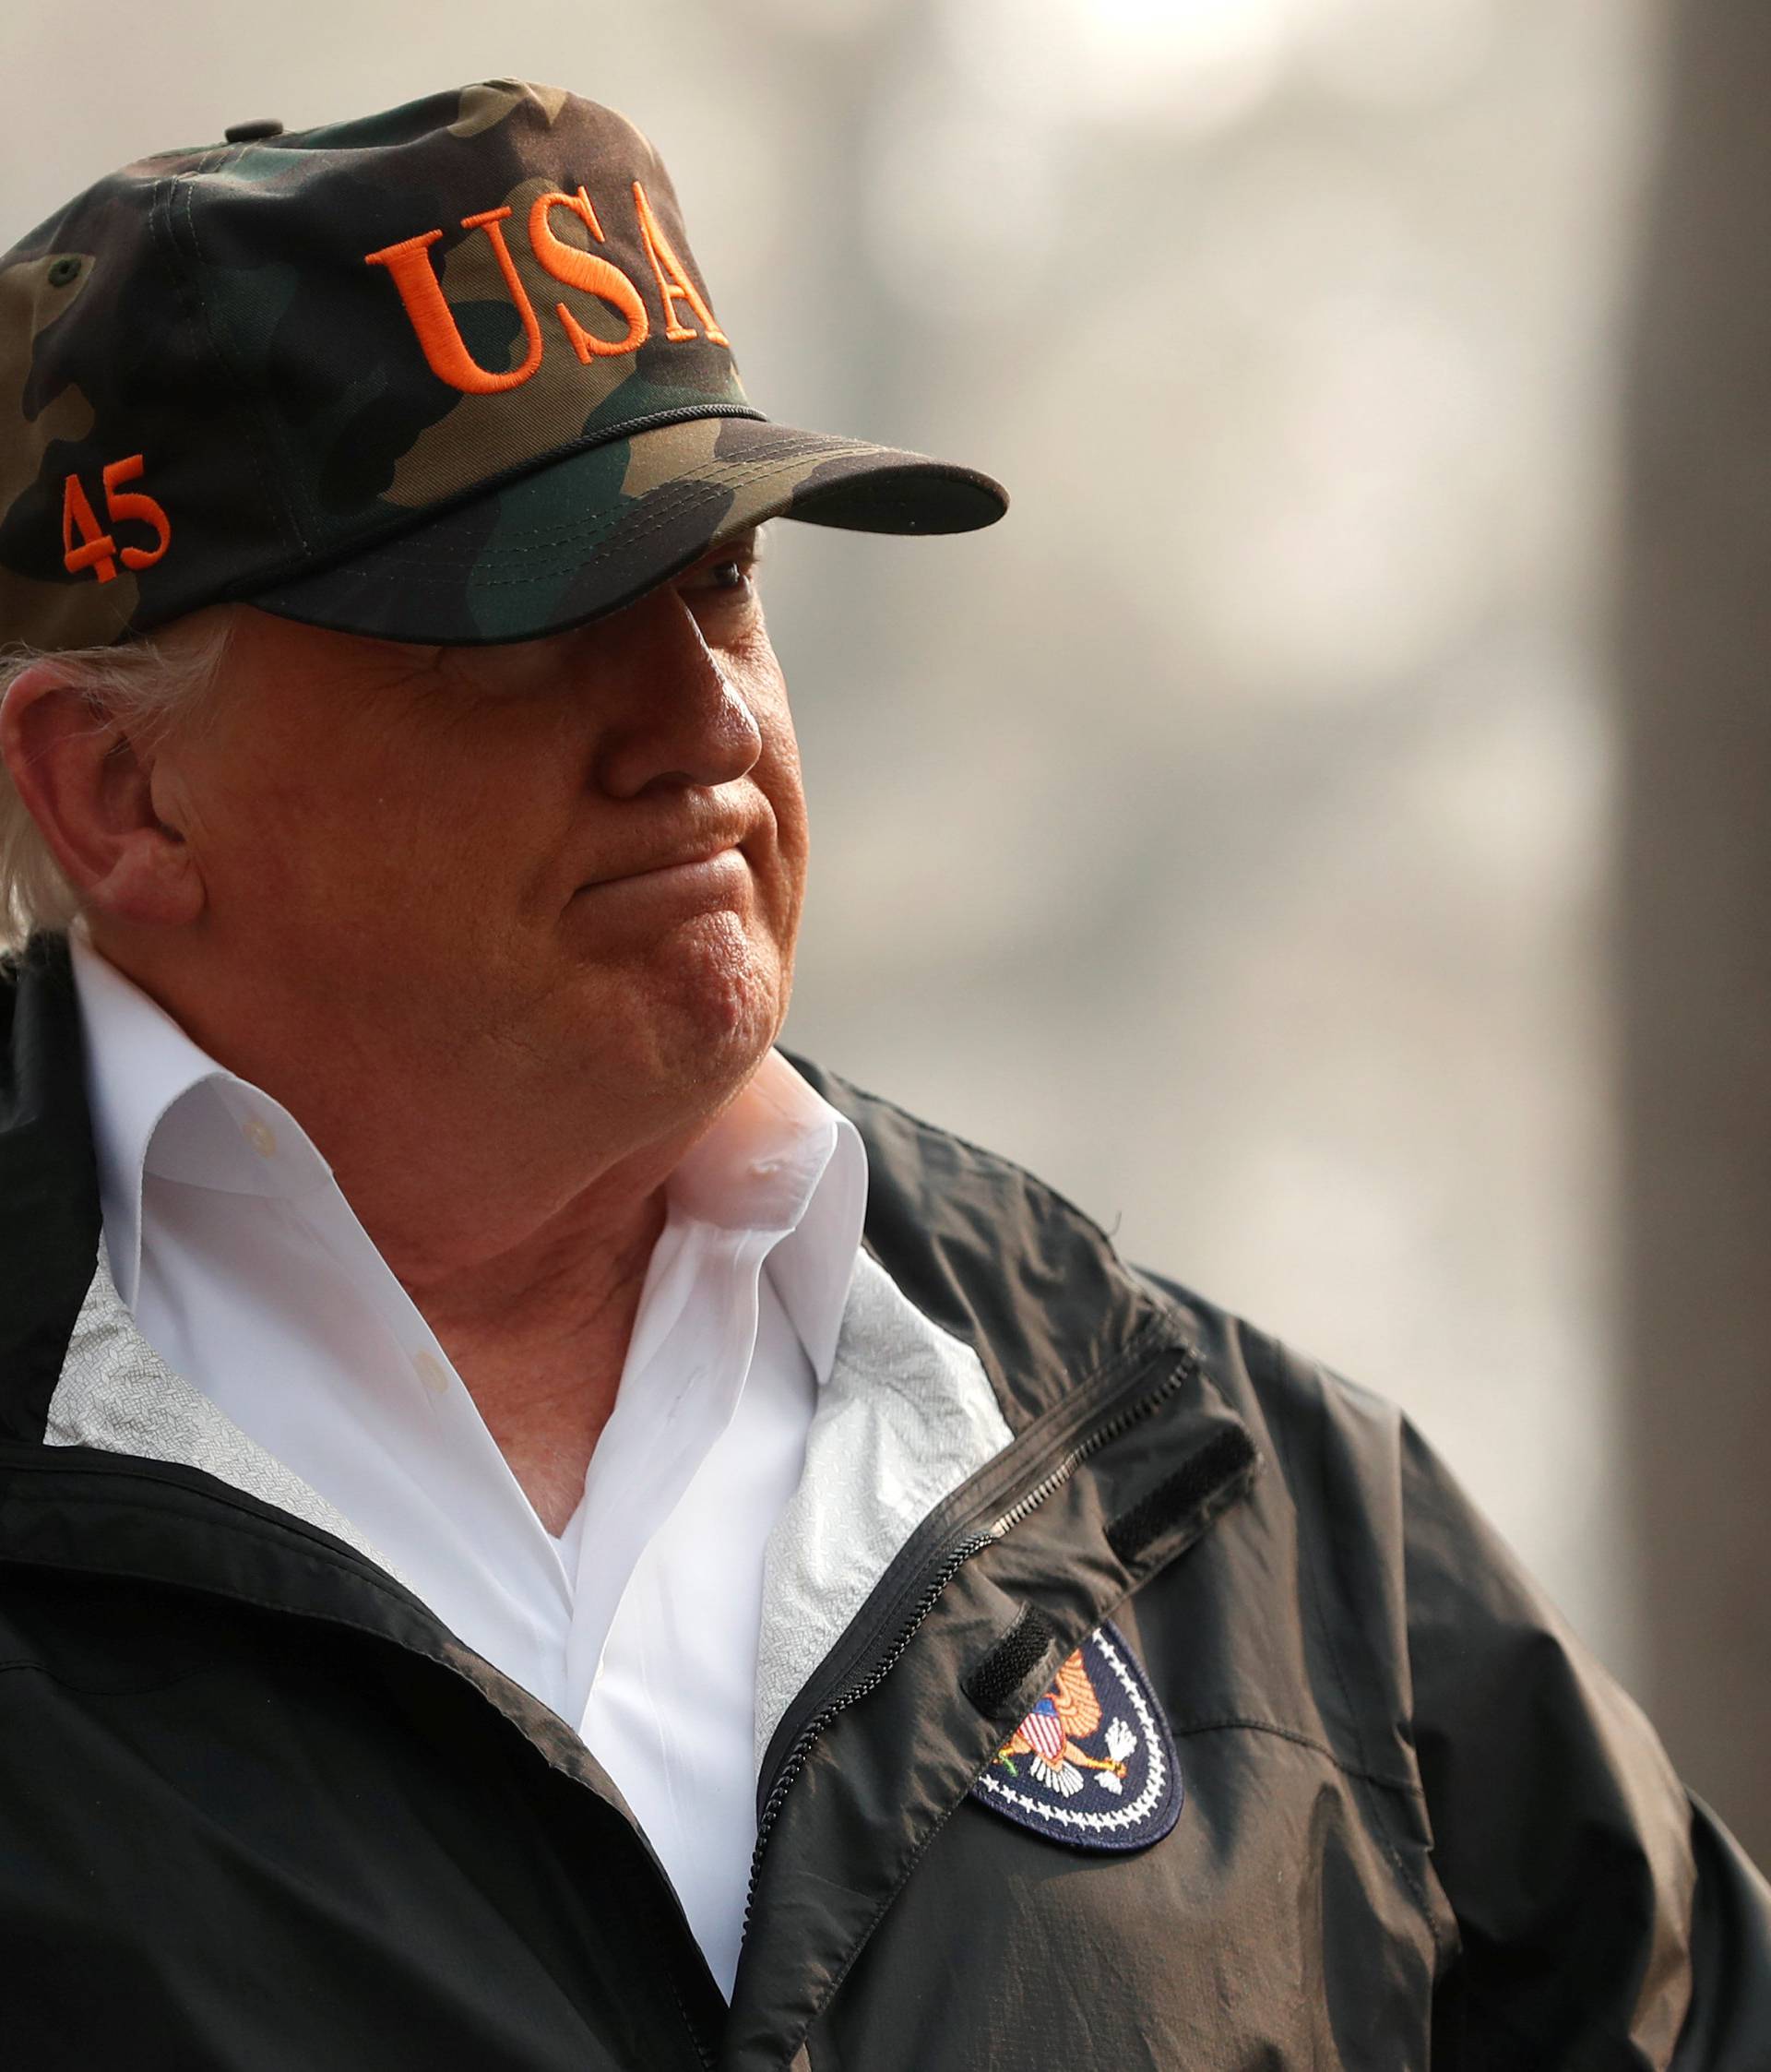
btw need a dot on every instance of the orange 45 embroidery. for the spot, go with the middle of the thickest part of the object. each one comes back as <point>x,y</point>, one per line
<point>85,542</point>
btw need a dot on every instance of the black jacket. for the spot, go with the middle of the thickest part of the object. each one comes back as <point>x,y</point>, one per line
<point>260,1811</point>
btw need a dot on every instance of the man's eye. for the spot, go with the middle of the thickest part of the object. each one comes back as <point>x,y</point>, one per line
<point>730,573</point>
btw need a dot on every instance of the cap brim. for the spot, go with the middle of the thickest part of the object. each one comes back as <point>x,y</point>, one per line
<point>586,534</point>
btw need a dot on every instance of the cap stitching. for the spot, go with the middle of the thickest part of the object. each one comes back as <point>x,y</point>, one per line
<point>732,473</point>
<point>668,502</point>
<point>327,555</point>
<point>609,545</point>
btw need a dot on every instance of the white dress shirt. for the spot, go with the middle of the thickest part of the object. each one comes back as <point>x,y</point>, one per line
<point>248,1271</point>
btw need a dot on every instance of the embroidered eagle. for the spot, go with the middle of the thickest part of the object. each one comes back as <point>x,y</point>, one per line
<point>1069,1712</point>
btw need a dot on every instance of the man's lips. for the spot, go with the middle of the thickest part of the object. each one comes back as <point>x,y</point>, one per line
<point>709,868</point>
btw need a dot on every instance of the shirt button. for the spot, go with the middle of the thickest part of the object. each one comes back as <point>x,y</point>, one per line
<point>431,1371</point>
<point>259,1135</point>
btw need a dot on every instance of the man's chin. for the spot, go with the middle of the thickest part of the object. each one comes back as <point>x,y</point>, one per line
<point>709,1027</point>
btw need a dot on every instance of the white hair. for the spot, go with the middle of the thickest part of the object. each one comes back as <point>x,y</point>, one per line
<point>144,685</point>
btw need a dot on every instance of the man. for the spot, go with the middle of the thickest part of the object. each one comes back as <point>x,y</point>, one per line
<point>537,1530</point>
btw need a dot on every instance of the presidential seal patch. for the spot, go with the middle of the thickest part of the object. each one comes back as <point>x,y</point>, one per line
<point>1093,1764</point>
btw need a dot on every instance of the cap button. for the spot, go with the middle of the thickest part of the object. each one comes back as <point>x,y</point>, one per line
<point>249,132</point>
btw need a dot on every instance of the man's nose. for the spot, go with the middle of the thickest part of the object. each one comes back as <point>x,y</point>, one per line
<point>677,717</point>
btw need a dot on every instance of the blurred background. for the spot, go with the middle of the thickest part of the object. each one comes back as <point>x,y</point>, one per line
<point>1323,828</point>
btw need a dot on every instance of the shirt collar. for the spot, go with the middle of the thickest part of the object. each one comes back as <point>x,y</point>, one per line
<point>779,1160</point>
<point>162,1105</point>
<point>782,1159</point>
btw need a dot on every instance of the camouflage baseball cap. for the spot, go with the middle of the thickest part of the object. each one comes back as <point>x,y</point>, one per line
<point>447,374</point>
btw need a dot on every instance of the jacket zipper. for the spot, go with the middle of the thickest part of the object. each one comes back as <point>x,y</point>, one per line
<point>944,1570</point>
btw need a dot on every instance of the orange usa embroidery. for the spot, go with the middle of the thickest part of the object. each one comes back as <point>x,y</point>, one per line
<point>409,265</point>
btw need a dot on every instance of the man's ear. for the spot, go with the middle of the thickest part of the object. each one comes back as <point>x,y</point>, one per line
<point>88,782</point>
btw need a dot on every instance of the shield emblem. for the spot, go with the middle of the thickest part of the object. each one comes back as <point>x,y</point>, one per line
<point>1093,1764</point>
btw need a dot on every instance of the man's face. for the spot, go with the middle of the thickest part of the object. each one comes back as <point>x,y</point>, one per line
<point>447,854</point>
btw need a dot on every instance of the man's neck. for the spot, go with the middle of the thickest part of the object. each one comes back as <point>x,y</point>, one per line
<point>520,1217</point>
<point>540,1339</point>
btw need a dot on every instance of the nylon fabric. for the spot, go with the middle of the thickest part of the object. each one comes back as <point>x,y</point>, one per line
<point>260,1812</point>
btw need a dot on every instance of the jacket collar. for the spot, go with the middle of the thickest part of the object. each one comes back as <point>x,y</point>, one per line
<point>993,1255</point>
<point>49,1181</point>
